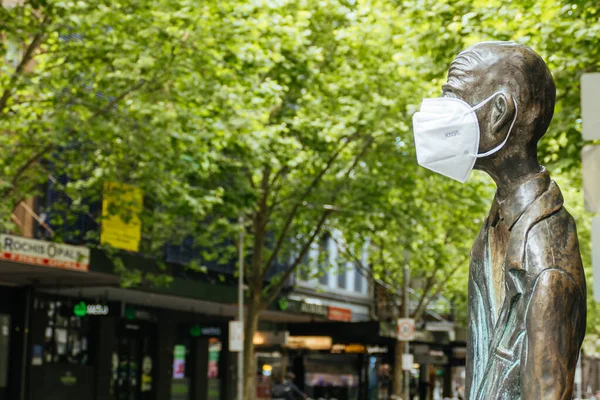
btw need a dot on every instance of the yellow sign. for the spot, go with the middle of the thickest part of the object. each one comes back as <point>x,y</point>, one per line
<point>309,342</point>
<point>121,225</point>
<point>349,348</point>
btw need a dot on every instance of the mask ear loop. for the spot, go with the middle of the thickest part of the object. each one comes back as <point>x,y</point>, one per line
<point>512,124</point>
<point>501,145</point>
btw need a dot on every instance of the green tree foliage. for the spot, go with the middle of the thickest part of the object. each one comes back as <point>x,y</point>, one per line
<point>295,114</point>
<point>113,92</point>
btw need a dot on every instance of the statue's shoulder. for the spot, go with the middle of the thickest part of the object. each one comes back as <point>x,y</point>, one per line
<point>552,243</point>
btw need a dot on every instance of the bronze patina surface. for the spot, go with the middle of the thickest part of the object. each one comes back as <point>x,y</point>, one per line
<point>527,293</point>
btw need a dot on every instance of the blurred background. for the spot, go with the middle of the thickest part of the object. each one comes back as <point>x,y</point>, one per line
<point>150,148</point>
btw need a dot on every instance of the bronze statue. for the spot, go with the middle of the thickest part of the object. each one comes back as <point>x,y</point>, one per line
<point>527,294</point>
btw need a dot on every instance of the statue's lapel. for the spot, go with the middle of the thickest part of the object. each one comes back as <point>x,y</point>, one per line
<point>545,205</point>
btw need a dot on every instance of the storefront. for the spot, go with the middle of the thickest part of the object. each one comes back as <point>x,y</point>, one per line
<point>439,358</point>
<point>52,341</point>
<point>200,363</point>
<point>134,355</point>
<point>13,312</point>
<point>341,360</point>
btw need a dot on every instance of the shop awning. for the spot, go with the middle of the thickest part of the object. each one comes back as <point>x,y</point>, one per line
<point>164,301</point>
<point>21,274</point>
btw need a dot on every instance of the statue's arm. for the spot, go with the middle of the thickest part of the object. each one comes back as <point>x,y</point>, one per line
<point>553,324</point>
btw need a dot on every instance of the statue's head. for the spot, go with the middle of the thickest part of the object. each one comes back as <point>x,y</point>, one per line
<point>522,77</point>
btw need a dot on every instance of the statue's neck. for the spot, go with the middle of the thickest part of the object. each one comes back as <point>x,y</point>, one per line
<point>511,173</point>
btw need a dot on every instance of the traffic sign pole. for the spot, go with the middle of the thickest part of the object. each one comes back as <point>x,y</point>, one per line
<point>240,382</point>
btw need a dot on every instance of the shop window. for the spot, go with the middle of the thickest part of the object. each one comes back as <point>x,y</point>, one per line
<point>66,335</point>
<point>180,384</point>
<point>332,376</point>
<point>304,269</point>
<point>214,381</point>
<point>5,328</point>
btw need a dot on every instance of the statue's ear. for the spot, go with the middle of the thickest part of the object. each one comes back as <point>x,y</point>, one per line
<point>503,112</point>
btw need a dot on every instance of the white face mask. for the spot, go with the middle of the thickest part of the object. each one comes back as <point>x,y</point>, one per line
<point>447,136</point>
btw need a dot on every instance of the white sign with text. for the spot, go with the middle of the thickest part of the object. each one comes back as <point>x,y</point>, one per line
<point>47,254</point>
<point>236,336</point>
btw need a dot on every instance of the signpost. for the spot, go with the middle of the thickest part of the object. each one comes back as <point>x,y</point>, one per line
<point>238,326</point>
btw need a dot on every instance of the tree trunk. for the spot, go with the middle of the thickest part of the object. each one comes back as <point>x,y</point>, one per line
<point>398,381</point>
<point>251,322</point>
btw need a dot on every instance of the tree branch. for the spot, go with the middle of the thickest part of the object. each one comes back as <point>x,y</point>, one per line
<point>429,283</point>
<point>259,224</point>
<point>23,169</point>
<point>110,105</point>
<point>276,289</point>
<point>314,183</point>
<point>358,263</point>
<point>27,56</point>
<point>250,179</point>
<point>278,175</point>
<point>279,286</point>
<point>275,201</point>
<point>36,157</point>
<point>441,286</point>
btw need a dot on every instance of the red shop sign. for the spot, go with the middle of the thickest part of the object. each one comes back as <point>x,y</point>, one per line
<point>339,314</point>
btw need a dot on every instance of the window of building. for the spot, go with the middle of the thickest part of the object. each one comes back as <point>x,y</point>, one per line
<point>342,270</point>
<point>324,261</point>
<point>358,280</point>
<point>304,269</point>
<point>66,335</point>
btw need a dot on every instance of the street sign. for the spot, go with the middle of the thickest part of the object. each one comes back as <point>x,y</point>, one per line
<point>590,106</point>
<point>407,362</point>
<point>590,165</point>
<point>236,336</point>
<point>596,256</point>
<point>406,329</point>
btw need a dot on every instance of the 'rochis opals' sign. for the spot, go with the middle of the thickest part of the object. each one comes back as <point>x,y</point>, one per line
<point>47,254</point>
